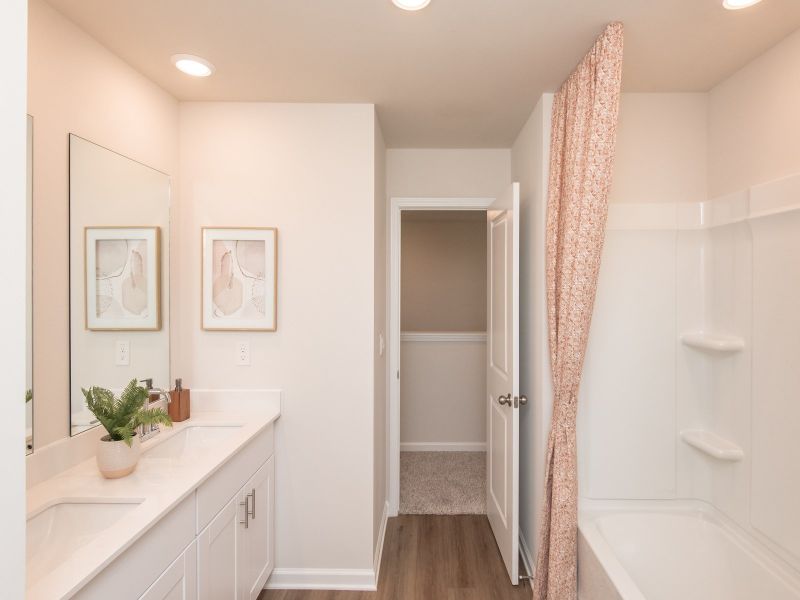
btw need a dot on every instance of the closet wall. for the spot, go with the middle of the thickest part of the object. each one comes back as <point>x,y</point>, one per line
<point>443,319</point>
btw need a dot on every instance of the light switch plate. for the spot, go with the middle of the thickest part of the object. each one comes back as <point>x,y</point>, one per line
<point>122,355</point>
<point>243,353</point>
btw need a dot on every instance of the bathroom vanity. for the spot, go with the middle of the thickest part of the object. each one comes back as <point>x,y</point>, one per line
<point>195,520</point>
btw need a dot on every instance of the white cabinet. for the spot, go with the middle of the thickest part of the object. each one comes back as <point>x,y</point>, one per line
<point>256,537</point>
<point>217,556</point>
<point>223,534</point>
<point>236,549</point>
<point>179,581</point>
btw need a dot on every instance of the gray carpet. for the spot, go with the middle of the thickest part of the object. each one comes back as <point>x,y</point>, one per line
<point>442,483</point>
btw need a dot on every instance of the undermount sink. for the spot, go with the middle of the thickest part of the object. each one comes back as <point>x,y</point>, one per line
<point>54,533</point>
<point>189,441</point>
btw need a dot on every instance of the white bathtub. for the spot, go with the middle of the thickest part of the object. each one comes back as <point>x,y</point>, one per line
<point>674,551</point>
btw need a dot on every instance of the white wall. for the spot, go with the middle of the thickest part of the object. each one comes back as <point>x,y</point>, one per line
<point>530,158</point>
<point>380,482</point>
<point>661,149</point>
<point>443,394</point>
<point>12,326</point>
<point>627,401</point>
<point>443,173</point>
<point>77,86</point>
<point>309,170</point>
<point>754,124</point>
<point>628,398</point>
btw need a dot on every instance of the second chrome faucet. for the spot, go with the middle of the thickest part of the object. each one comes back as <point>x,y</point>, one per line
<point>148,431</point>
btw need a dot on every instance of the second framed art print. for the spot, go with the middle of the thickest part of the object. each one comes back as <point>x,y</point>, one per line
<point>239,278</point>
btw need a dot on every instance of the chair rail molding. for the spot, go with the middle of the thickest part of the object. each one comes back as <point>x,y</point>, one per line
<point>443,336</point>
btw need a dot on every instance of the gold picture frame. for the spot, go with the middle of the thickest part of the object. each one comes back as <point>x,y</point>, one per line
<point>129,320</point>
<point>239,279</point>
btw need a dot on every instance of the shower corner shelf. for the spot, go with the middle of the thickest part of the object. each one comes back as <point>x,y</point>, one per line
<point>712,444</point>
<point>711,342</point>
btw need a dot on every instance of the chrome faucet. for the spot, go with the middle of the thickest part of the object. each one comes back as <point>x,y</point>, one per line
<point>148,431</point>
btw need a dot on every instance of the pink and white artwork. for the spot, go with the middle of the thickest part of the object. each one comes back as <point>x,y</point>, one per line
<point>239,279</point>
<point>122,278</point>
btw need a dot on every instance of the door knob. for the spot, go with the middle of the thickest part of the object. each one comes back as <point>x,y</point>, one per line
<point>506,399</point>
<point>523,400</point>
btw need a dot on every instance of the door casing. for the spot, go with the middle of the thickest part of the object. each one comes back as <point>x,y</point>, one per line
<point>397,206</point>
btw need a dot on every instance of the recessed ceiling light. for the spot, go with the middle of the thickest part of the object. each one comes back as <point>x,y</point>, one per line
<point>193,65</point>
<point>737,4</point>
<point>411,4</point>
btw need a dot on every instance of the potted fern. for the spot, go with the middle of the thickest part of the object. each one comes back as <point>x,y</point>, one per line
<point>119,450</point>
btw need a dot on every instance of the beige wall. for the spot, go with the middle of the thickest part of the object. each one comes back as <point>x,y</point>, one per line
<point>76,85</point>
<point>754,121</point>
<point>442,173</point>
<point>309,170</point>
<point>443,273</point>
<point>379,338</point>
<point>661,149</point>
<point>12,302</point>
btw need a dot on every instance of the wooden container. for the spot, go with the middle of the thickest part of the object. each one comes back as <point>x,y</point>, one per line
<point>179,407</point>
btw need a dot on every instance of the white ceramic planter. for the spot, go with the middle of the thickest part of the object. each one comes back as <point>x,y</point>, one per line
<point>117,459</point>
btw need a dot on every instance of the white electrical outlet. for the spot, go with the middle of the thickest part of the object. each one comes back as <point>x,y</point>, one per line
<point>243,353</point>
<point>122,357</point>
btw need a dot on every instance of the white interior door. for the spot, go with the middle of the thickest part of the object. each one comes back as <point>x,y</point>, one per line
<point>502,376</point>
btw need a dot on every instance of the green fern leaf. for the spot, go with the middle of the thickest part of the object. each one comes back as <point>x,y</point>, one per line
<point>121,416</point>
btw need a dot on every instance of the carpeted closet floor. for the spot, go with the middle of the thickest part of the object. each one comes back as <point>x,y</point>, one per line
<point>442,483</point>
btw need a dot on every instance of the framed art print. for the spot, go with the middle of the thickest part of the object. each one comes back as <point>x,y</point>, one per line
<point>123,278</point>
<point>239,278</point>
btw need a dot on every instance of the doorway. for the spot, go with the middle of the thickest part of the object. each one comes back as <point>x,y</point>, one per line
<point>502,398</point>
<point>398,207</point>
<point>443,302</point>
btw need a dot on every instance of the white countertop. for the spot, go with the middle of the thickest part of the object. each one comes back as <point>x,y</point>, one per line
<point>159,485</point>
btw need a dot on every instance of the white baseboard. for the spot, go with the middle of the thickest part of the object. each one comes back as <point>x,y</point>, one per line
<point>443,447</point>
<point>379,545</point>
<point>527,556</point>
<point>322,579</point>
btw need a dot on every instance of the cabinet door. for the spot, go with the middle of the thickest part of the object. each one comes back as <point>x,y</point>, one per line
<point>256,544</point>
<point>179,581</point>
<point>217,556</point>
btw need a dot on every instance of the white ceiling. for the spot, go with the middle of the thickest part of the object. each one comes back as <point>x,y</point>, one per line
<point>461,73</point>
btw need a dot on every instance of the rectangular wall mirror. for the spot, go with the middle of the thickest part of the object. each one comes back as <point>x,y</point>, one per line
<point>119,274</point>
<point>29,294</point>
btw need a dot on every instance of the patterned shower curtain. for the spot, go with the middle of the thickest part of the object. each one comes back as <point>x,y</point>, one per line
<point>581,159</point>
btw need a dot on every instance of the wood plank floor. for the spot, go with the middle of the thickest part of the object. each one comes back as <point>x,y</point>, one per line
<point>432,557</point>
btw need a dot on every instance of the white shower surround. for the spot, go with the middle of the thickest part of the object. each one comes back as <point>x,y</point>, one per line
<point>727,266</point>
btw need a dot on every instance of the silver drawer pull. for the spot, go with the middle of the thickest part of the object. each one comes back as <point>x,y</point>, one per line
<point>246,505</point>
<point>253,494</point>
